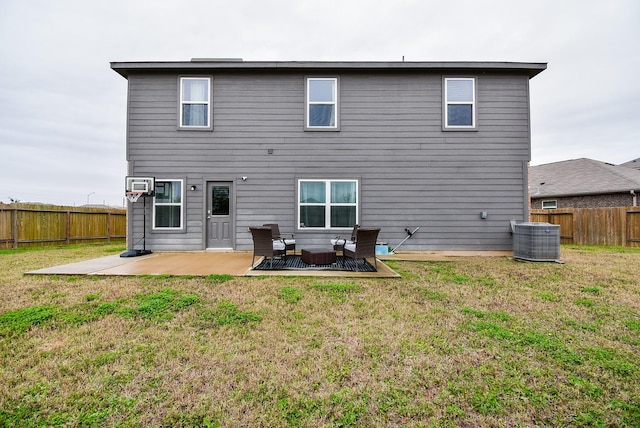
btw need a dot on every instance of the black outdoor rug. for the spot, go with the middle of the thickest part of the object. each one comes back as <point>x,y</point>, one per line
<point>295,263</point>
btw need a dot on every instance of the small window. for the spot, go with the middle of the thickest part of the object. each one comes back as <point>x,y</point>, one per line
<point>322,103</point>
<point>549,205</point>
<point>220,200</point>
<point>195,102</point>
<point>327,204</point>
<point>460,103</point>
<point>167,205</point>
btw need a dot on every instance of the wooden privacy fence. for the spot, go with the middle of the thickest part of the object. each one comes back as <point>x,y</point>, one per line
<point>618,226</point>
<point>30,225</point>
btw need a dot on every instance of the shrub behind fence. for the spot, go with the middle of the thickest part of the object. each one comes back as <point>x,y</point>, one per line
<point>30,225</point>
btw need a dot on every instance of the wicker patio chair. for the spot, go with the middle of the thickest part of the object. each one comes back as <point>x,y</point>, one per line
<point>264,245</point>
<point>364,245</point>
<point>338,242</point>
<point>290,243</point>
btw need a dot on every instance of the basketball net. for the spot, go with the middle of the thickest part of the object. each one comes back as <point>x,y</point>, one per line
<point>133,196</point>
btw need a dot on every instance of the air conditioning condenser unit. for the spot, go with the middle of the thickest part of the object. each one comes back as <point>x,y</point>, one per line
<point>537,242</point>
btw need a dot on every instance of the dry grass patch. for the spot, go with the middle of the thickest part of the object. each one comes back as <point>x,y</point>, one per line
<point>473,342</point>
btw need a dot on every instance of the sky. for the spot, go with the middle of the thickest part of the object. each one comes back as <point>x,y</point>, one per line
<point>63,110</point>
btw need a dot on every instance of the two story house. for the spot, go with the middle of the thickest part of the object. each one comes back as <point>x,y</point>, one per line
<point>318,147</point>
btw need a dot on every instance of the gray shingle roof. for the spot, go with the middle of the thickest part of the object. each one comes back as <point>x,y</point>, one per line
<point>581,177</point>
<point>635,164</point>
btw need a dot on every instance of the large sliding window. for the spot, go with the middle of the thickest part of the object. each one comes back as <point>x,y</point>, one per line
<point>327,204</point>
<point>322,103</point>
<point>168,205</point>
<point>460,103</point>
<point>195,102</point>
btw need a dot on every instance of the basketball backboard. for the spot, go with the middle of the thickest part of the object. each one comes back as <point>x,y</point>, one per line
<point>145,185</point>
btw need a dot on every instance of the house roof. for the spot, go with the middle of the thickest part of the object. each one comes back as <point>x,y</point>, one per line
<point>200,64</point>
<point>581,177</point>
<point>635,164</point>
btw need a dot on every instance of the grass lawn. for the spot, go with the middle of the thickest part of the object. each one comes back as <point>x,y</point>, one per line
<point>473,342</point>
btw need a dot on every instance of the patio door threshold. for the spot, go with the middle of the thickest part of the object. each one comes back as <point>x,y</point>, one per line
<point>219,250</point>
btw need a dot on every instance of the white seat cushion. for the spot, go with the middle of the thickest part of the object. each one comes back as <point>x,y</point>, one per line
<point>350,246</point>
<point>278,245</point>
<point>340,241</point>
<point>290,241</point>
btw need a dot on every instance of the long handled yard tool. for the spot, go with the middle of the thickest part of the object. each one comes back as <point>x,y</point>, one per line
<point>409,235</point>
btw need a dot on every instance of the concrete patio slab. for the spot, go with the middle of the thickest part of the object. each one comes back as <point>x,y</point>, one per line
<point>87,267</point>
<point>182,263</point>
<point>235,263</point>
<point>440,256</point>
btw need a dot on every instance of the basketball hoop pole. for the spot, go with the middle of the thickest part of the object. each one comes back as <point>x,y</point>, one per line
<point>133,252</point>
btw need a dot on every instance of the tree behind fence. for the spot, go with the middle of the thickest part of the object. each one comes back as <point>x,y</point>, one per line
<point>31,225</point>
<point>618,226</point>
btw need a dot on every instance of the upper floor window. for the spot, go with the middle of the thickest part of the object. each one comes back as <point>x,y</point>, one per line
<point>326,204</point>
<point>322,103</point>
<point>460,103</point>
<point>195,102</point>
<point>167,205</point>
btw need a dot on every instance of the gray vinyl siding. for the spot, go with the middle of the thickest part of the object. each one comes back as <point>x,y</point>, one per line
<point>411,173</point>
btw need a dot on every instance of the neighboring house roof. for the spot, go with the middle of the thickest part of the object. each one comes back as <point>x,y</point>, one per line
<point>126,68</point>
<point>635,164</point>
<point>581,177</point>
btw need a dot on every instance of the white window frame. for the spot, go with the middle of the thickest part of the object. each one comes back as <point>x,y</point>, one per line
<point>166,204</point>
<point>549,204</point>
<point>447,103</point>
<point>335,103</point>
<point>328,204</point>
<point>182,102</point>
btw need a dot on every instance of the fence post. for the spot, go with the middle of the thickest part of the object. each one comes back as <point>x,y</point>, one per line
<point>15,226</point>
<point>109,227</point>
<point>68,227</point>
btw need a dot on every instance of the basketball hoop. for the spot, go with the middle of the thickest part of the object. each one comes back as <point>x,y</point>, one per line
<point>133,196</point>
<point>134,187</point>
